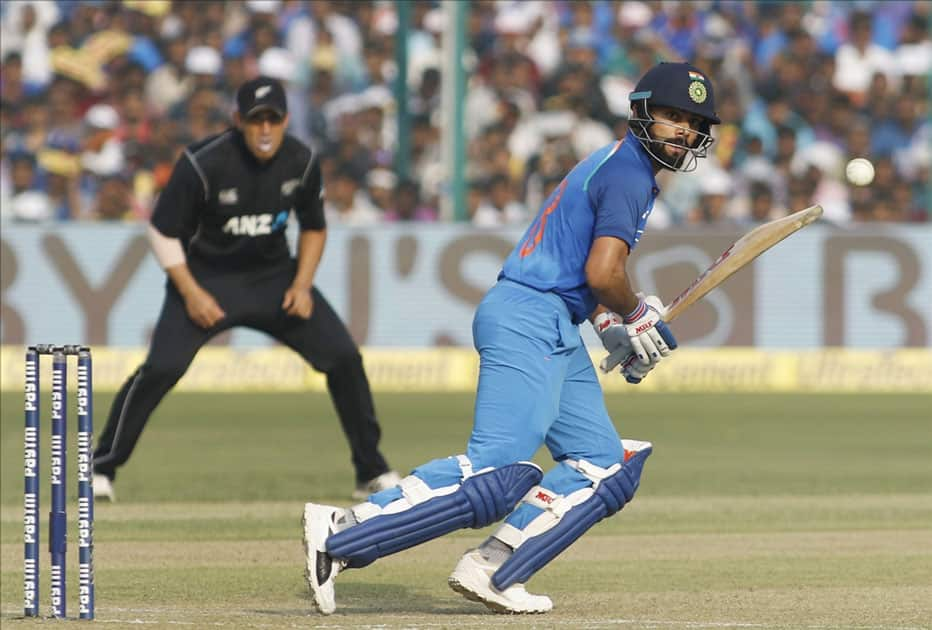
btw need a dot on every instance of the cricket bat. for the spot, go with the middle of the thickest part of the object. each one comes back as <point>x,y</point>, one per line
<point>741,252</point>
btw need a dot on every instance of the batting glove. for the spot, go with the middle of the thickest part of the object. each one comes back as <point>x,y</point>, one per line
<point>612,332</point>
<point>631,367</point>
<point>651,339</point>
<point>633,370</point>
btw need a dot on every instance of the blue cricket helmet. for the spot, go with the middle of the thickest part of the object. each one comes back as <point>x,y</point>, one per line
<point>684,87</point>
<point>679,85</point>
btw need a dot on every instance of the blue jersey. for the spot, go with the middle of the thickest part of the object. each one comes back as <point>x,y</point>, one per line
<point>609,193</point>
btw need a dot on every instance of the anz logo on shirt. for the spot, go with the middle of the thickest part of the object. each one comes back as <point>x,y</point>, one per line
<point>256,224</point>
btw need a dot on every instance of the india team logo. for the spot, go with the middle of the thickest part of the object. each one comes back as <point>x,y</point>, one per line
<point>698,91</point>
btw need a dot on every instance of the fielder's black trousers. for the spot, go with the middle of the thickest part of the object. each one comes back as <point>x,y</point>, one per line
<point>255,302</point>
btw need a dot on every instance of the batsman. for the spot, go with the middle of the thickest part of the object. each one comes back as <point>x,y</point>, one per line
<point>537,384</point>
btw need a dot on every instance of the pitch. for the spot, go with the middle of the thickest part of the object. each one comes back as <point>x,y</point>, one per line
<point>754,512</point>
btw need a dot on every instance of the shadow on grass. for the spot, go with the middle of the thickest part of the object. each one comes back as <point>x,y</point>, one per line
<point>366,599</point>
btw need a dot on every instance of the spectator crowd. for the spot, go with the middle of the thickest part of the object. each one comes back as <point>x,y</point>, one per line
<point>98,98</point>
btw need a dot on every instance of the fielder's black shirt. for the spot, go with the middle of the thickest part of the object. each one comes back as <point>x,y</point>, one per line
<point>231,211</point>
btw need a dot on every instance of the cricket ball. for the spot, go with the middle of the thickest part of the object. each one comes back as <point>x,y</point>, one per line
<point>860,171</point>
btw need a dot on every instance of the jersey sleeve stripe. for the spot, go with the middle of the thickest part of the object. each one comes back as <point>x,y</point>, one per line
<point>203,151</point>
<point>200,173</point>
<point>614,150</point>
<point>307,169</point>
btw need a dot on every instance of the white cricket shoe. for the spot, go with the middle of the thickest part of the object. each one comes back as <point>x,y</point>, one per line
<point>103,488</point>
<point>320,569</point>
<point>472,578</point>
<point>382,482</point>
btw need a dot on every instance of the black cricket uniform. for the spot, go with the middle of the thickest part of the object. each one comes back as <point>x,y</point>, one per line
<point>230,211</point>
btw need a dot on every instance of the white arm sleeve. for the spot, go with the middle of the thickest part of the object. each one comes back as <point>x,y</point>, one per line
<point>167,250</point>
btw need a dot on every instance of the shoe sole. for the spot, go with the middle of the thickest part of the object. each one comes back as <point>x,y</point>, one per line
<point>310,571</point>
<point>467,592</point>
<point>310,576</point>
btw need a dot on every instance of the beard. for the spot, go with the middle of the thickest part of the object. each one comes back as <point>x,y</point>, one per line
<point>663,148</point>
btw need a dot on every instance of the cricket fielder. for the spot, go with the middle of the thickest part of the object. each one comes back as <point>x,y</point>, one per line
<point>218,231</point>
<point>537,384</point>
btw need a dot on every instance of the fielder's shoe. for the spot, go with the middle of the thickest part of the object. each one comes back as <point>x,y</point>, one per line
<point>103,488</point>
<point>382,482</point>
<point>472,578</point>
<point>320,569</point>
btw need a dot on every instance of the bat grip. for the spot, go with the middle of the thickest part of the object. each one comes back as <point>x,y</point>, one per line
<point>667,335</point>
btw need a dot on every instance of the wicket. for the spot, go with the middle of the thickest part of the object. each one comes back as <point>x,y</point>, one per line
<point>58,512</point>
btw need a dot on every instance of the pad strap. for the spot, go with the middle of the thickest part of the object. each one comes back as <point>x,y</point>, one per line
<point>554,507</point>
<point>465,466</point>
<point>590,471</point>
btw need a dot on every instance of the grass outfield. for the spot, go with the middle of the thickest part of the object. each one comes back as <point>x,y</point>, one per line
<point>755,512</point>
